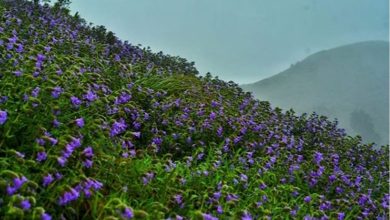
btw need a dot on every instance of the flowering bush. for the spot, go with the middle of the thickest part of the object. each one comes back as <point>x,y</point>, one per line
<point>93,127</point>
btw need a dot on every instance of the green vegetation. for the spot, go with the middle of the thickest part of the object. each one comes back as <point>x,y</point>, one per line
<point>95,128</point>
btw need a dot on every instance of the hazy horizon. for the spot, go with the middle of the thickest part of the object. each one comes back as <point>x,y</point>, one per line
<point>242,41</point>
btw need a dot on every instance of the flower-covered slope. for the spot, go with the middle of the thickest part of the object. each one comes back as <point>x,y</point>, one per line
<point>92,127</point>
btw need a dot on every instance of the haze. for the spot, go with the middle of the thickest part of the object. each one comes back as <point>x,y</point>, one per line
<point>243,41</point>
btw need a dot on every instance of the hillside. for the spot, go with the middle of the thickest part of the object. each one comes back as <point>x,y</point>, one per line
<point>350,83</point>
<point>92,127</point>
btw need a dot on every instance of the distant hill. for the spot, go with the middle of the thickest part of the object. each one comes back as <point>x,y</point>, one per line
<point>349,83</point>
<point>92,127</point>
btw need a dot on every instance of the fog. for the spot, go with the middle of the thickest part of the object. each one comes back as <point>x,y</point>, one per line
<point>243,41</point>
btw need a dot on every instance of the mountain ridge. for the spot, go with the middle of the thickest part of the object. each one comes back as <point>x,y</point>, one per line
<point>337,77</point>
<point>92,127</point>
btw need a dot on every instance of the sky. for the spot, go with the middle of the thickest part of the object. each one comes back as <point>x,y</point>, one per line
<point>243,41</point>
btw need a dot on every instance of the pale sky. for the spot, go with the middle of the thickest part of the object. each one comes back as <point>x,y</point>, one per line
<point>240,40</point>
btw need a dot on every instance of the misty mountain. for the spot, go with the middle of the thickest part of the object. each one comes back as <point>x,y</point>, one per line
<point>350,83</point>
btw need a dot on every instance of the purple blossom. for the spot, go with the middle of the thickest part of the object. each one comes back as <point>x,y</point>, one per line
<point>3,117</point>
<point>118,127</point>
<point>209,217</point>
<point>47,180</point>
<point>307,199</point>
<point>127,213</point>
<point>56,123</point>
<point>69,196</point>
<point>178,198</point>
<point>243,177</point>
<point>123,98</point>
<point>147,178</point>
<point>90,96</point>
<point>20,48</point>
<point>318,157</point>
<point>80,122</point>
<point>88,152</point>
<point>76,102</point>
<point>25,204</point>
<point>18,73</point>
<point>61,160</point>
<point>212,116</point>
<point>217,195</point>
<point>47,48</point>
<point>35,92</point>
<point>88,163</point>
<point>56,92</point>
<point>137,134</point>
<point>219,209</point>
<point>246,216</point>
<point>157,141</point>
<point>340,216</point>
<point>45,216</point>
<point>41,156</point>
<point>17,184</point>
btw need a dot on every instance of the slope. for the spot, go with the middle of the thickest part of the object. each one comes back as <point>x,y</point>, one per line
<point>92,127</point>
<point>349,83</point>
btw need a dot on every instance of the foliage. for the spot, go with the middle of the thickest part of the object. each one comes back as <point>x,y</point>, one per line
<point>95,128</point>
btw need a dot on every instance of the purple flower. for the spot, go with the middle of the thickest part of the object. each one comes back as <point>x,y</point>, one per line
<point>47,180</point>
<point>123,98</point>
<point>219,209</point>
<point>76,102</point>
<point>243,177</point>
<point>178,198</point>
<point>293,212</point>
<point>69,196</point>
<point>325,206</point>
<point>35,92</point>
<point>212,116</point>
<point>56,92</point>
<point>246,216</point>
<point>80,122</point>
<point>61,160</point>
<point>17,184</point>
<point>340,216</point>
<point>88,163</point>
<point>220,131</point>
<point>307,199</point>
<point>18,73</point>
<point>20,48</point>
<point>363,200</point>
<point>45,216</point>
<point>25,204</point>
<point>137,134</point>
<point>148,177</point>
<point>118,127</point>
<point>231,197</point>
<point>90,96</point>
<point>41,156</point>
<point>217,195</point>
<point>88,152</point>
<point>262,186</point>
<point>127,213</point>
<point>318,157</point>
<point>209,217</point>
<point>3,117</point>
<point>332,178</point>
<point>47,48</point>
<point>157,141</point>
<point>56,123</point>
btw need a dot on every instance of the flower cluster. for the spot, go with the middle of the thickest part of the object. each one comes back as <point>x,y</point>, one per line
<point>94,127</point>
